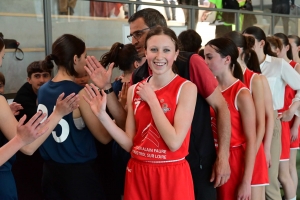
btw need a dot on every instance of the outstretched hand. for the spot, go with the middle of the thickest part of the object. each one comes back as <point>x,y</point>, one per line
<point>33,128</point>
<point>66,105</point>
<point>99,75</point>
<point>96,100</point>
<point>15,108</point>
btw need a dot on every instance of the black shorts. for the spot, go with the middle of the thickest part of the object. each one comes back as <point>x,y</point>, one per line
<point>70,181</point>
<point>203,188</point>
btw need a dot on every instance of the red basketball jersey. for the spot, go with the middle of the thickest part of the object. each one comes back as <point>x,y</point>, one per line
<point>237,133</point>
<point>248,77</point>
<point>289,93</point>
<point>148,145</point>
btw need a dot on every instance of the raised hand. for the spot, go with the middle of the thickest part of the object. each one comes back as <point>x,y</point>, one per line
<point>33,128</point>
<point>99,75</point>
<point>96,100</point>
<point>66,105</point>
<point>15,108</point>
<point>122,97</point>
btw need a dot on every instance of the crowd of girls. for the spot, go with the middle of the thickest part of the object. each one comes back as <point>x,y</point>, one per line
<point>257,76</point>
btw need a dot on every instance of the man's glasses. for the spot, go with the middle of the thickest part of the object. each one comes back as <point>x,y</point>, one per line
<point>137,34</point>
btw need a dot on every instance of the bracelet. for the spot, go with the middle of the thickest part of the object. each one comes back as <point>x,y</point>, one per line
<point>110,90</point>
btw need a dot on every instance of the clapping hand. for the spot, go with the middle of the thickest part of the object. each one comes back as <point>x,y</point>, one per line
<point>15,108</point>
<point>33,128</point>
<point>96,100</point>
<point>66,105</point>
<point>99,75</point>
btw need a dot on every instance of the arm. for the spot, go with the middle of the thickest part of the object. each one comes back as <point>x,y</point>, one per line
<point>207,12</point>
<point>25,134</point>
<point>172,135</point>
<point>258,100</point>
<point>91,121</point>
<point>101,77</point>
<point>269,119</point>
<point>247,113</point>
<point>97,103</point>
<point>295,129</point>
<point>221,171</point>
<point>63,107</point>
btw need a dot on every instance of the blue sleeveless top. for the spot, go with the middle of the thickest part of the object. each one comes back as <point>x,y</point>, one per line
<point>66,144</point>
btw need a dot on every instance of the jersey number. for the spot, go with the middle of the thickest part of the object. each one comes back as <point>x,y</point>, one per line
<point>65,129</point>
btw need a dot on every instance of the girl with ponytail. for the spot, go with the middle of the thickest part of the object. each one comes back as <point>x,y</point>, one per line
<point>262,99</point>
<point>125,58</point>
<point>221,56</point>
<point>295,122</point>
<point>285,177</point>
<point>279,73</point>
<point>70,151</point>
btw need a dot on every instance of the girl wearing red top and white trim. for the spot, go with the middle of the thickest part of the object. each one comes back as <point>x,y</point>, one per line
<point>281,46</point>
<point>294,124</point>
<point>160,112</point>
<point>221,56</point>
<point>262,98</point>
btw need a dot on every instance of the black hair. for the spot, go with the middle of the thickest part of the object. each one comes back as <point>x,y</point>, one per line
<point>150,16</point>
<point>122,55</point>
<point>259,34</point>
<point>285,41</point>
<point>38,67</point>
<point>296,40</point>
<point>63,51</point>
<point>190,40</point>
<point>201,53</point>
<point>246,43</point>
<point>226,47</point>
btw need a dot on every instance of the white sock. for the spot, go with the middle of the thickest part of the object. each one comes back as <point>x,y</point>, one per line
<point>295,198</point>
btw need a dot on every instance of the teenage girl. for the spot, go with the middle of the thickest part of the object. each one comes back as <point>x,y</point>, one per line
<point>70,151</point>
<point>27,138</point>
<point>221,56</point>
<point>279,73</point>
<point>284,51</point>
<point>295,122</point>
<point>262,98</point>
<point>160,112</point>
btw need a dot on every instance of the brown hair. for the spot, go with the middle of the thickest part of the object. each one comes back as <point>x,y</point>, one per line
<point>38,67</point>
<point>63,51</point>
<point>122,55</point>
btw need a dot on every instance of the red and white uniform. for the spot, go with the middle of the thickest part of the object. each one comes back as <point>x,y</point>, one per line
<point>285,126</point>
<point>152,161</point>
<point>260,171</point>
<point>290,94</point>
<point>237,142</point>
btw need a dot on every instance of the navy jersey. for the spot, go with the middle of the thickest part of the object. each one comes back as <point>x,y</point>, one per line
<point>66,144</point>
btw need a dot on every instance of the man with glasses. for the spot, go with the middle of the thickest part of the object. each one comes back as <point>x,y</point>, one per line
<point>206,166</point>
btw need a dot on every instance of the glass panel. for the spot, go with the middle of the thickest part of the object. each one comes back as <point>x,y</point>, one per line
<point>22,21</point>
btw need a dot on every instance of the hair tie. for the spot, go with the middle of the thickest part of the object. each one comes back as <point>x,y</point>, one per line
<point>121,46</point>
